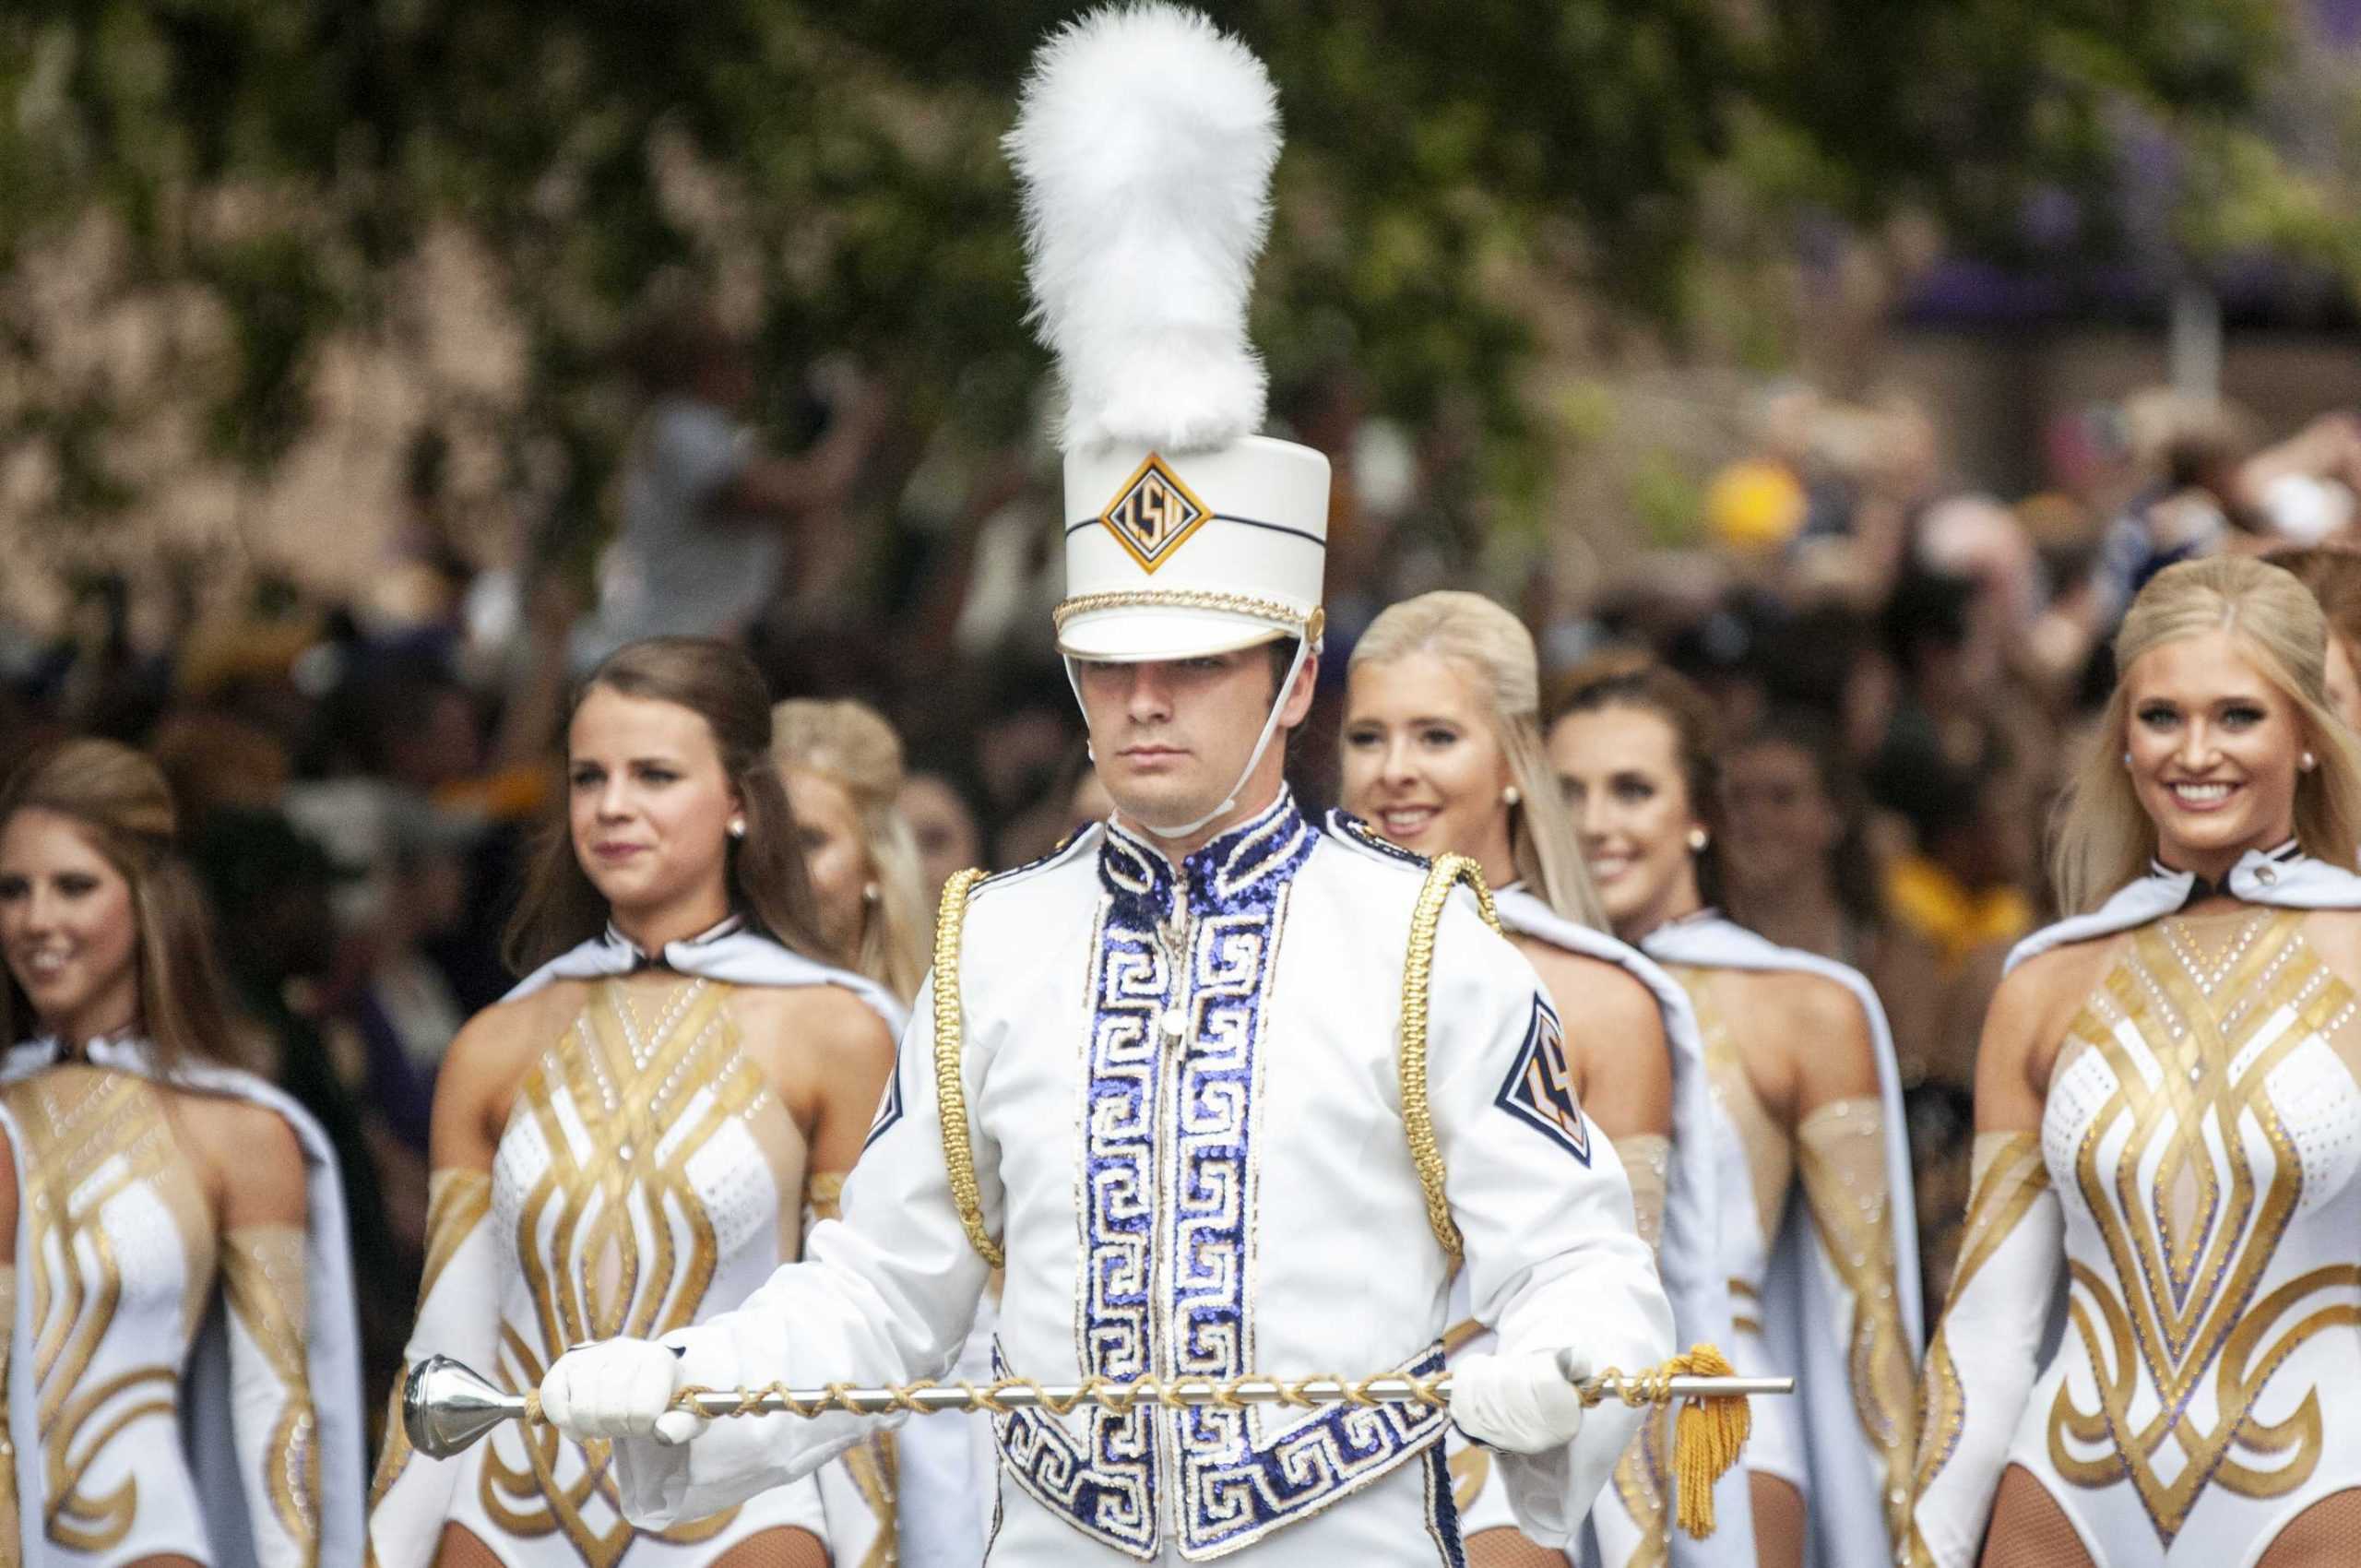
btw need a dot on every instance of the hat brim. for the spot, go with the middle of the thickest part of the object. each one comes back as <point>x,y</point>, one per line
<point>1135,635</point>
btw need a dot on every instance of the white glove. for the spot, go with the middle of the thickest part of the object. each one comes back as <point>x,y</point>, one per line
<point>617,1388</point>
<point>1521,1403</point>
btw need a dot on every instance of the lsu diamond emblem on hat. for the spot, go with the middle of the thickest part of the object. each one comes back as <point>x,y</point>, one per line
<point>1154,512</point>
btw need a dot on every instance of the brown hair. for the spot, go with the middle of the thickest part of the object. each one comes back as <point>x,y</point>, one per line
<point>2333,573</point>
<point>848,743</point>
<point>1852,869</point>
<point>2103,838</point>
<point>1633,679</point>
<point>120,801</point>
<point>560,908</point>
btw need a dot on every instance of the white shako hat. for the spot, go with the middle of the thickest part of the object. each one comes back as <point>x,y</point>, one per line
<point>1145,142</point>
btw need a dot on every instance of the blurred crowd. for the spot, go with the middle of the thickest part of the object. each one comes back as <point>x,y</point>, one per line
<point>1899,661</point>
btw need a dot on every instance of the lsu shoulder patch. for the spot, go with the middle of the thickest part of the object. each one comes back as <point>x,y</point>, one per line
<point>1540,1086</point>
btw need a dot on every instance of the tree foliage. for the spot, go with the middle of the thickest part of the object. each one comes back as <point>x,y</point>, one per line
<point>273,171</point>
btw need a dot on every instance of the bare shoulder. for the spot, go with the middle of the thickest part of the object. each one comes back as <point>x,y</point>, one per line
<point>1596,992</point>
<point>499,1043</point>
<point>2041,995</point>
<point>1798,1004</point>
<point>2335,936</point>
<point>253,1154</point>
<point>809,1028</point>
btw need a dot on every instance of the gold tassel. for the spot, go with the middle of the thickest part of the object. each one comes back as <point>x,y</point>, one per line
<point>1707,1432</point>
<point>1707,1435</point>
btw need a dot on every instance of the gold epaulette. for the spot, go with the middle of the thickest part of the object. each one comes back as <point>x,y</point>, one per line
<point>950,1088</point>
<point>1418,978</point>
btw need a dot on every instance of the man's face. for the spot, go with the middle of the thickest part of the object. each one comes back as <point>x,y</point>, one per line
<point>1172,736</point>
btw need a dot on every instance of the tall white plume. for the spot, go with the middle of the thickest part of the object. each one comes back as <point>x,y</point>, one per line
<point>1145,142</point>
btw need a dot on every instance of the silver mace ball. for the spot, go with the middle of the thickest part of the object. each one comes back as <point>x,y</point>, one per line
<point>446,1406</point>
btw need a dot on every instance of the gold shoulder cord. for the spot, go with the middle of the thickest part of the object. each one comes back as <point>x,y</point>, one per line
<point>950,1089</point>
<point>1417,977</point>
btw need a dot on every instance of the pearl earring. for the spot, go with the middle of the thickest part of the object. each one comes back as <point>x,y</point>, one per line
<point>2309,763</point>
<point>868,893</point>
<point>1512,795</point>
<point>2127,759</point>
<point>1698,839</point>
<point>738,827</point>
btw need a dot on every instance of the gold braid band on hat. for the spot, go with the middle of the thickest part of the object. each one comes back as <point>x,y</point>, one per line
<point>1417,977</point>
<point>1307,619</point>
<point>950,1088</point>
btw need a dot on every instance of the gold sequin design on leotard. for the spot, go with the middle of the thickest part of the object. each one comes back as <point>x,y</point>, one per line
<point>2176,1305</point>
<point>625,1152</point>
<point>89,1136</point>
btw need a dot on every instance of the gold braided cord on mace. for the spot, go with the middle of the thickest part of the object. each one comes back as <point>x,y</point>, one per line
<point>446,1406</point>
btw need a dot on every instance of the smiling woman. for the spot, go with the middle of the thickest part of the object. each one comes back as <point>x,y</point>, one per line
<point>1442,743</point>
<point>683,1063</point>
<point>2224,685</point>
<point>157,1181</point>
<point>2165,1104</point>
<point>1806,1097</point>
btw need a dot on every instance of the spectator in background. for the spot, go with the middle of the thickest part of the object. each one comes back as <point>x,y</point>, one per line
<point>1960,892</point>
<point>400,1008</point>
<point>842,765</point>
<point>943,825</point>
<point>2333,575</point>
<point>1797,866</point>
<point>706,515</point>
<point>271,889</point>
<point>212,760</point>
<point>1947,663</point>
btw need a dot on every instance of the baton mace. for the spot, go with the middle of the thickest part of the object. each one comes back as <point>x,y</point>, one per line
<point>447,1406</point>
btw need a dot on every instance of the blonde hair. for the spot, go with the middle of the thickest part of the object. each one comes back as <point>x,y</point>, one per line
<point>1494,650</point>
<point>847,742</point>
<point>2102,840</point>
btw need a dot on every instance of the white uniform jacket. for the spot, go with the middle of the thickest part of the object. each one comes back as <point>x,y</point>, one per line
<point>1183,1095</point>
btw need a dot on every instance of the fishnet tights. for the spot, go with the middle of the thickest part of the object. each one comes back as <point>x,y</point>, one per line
<point>1508,1548</point>
<point>2029,1530</point>
<point>770,1548</point>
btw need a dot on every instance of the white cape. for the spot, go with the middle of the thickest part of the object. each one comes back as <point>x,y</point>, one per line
<point>1689,1256</point>
<point>332,1337</point>
<point>1845,1507</point>
<point>729,954</point>
<point>2300,882</point>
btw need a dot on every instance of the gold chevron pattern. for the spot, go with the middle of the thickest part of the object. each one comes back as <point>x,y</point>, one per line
<point>620,1104</point>
<point>2190,1039</point>
<point>91,1136</point>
